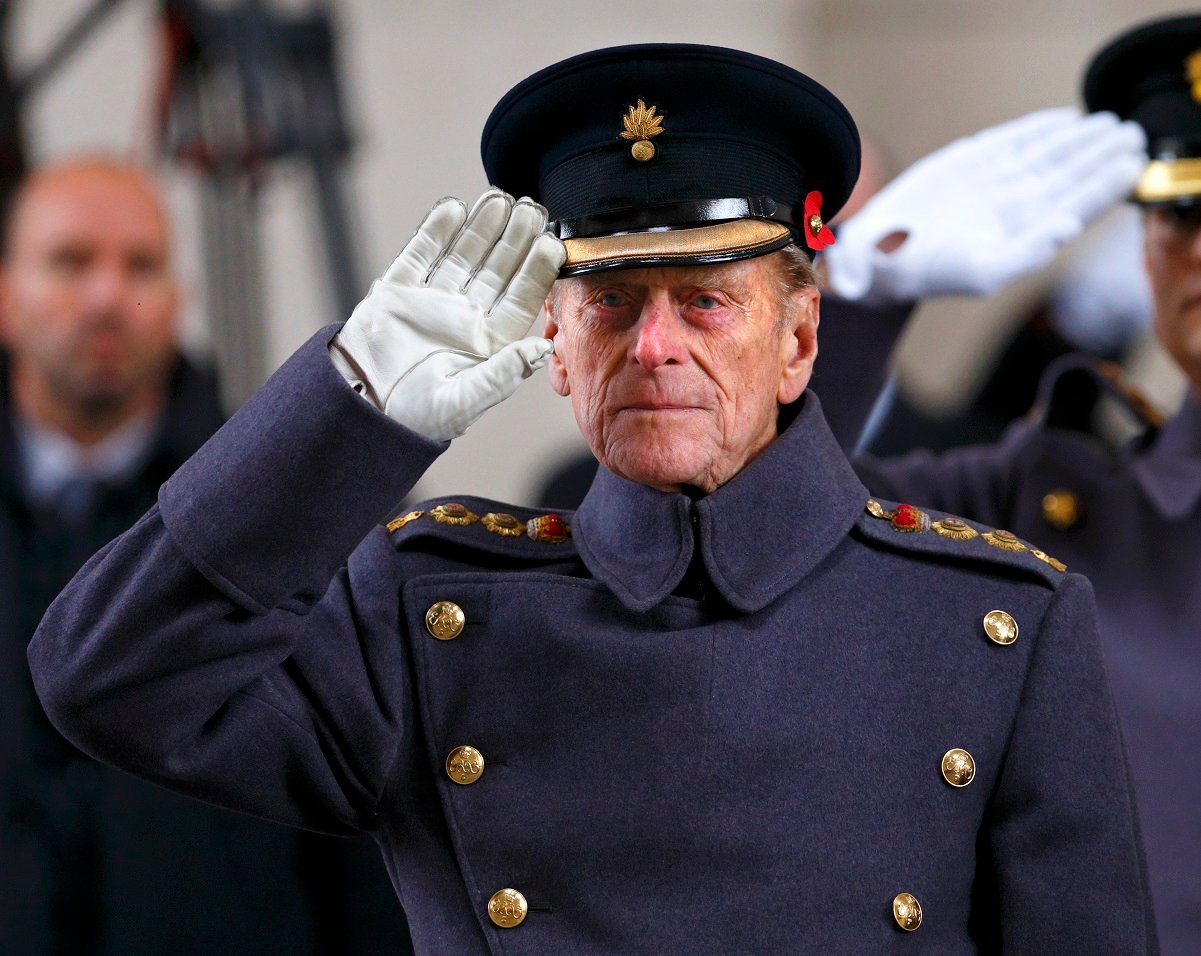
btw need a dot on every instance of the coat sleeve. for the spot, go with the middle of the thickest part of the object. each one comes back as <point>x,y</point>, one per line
<point>977,481</point>
<point>1063,834</point>
<point>225,646</point>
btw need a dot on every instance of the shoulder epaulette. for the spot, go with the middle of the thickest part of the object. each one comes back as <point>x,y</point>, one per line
<point>1071,385</point>
<point>485,525</point>
<point>904,526</point>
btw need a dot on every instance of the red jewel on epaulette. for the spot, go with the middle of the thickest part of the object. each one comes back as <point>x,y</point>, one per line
<point>550,528</point>
<point>909,518</point>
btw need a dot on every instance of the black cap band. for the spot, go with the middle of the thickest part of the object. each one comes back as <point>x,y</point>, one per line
<point>675,216</point>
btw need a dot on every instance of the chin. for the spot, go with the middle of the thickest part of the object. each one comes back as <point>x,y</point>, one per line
<point>661,452</point>
<point>658,469</point>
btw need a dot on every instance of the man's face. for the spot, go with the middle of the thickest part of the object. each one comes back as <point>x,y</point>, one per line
<point>1172,252</point>
<point>675,373</point>
<point>88,297</point>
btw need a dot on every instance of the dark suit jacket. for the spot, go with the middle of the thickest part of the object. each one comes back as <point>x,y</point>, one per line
<point>94,861</point>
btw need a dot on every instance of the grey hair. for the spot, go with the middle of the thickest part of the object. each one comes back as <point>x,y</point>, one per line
<point>796,269</point>
<point>795,272</point>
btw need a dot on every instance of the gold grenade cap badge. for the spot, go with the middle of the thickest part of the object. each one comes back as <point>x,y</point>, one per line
<point>641,123</point>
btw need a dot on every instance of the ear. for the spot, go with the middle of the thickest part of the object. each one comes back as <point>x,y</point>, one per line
<point>798,344</point>
<point>555,368</point>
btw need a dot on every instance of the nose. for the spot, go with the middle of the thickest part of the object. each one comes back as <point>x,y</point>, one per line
<point>105,287</point>
<point>659,335</point>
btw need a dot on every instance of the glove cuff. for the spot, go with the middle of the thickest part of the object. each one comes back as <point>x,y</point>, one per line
<point>349,369</point>
<point>848,271</point>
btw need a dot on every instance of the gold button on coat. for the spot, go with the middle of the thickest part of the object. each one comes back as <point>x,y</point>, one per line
<point>465,765</point>
<point>507,908</point>
<point>1061,508</point>
<point>1000,627</point>
<point>907,911</point>
<point>958,767</point>
<point>445,620</point>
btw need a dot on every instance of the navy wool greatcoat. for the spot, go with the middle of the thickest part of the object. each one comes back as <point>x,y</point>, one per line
<point>704,726</point>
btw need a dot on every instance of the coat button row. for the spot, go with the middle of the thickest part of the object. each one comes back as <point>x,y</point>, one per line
<point>507,908</point>
<point>445,620</point>
<point>465,765</point>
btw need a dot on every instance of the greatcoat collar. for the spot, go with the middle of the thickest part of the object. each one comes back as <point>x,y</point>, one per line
<point>758,534</point>
<point>1170,470</point>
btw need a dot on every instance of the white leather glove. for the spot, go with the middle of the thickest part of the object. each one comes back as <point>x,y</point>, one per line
<point>440,338</point>
<point>986,209</point>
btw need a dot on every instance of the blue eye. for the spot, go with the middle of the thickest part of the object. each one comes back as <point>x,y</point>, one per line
<point>612,300</point>
<point>706,302</point>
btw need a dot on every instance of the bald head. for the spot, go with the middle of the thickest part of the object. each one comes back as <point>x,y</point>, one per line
<point>111,191</point>
<point>87,296</point>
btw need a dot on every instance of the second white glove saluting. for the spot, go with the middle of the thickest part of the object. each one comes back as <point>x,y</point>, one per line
<point>441,338</point>
<point>987,209</point>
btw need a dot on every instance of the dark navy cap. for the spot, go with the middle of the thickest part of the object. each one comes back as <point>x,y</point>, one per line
<point>1152,75</point>
<point>674,154</point>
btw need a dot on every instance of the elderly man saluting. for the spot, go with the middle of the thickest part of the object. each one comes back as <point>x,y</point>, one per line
<point>730,704</point>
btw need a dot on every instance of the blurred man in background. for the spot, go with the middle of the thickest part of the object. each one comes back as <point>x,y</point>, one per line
<point>97,408</point>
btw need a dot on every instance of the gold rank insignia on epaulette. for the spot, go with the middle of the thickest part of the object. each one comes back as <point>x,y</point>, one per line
<point>397,523</point>
<point>955,528</point>
<point>908,519</point>
<point>549,528</point>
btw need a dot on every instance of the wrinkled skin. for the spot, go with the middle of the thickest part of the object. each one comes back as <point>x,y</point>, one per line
<point>675,374</point>
<point>1172,254</point>
<point>88,298</point>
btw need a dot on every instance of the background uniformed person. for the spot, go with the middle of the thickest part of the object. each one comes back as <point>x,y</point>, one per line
<point>1127,516</point>
<point>731,703</point>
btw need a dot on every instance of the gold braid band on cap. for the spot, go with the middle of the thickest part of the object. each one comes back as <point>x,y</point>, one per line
<point>739,235</point>
<point>1166,179</point>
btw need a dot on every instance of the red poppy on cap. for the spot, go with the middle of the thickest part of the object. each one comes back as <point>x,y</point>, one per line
<point>817,233</point>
